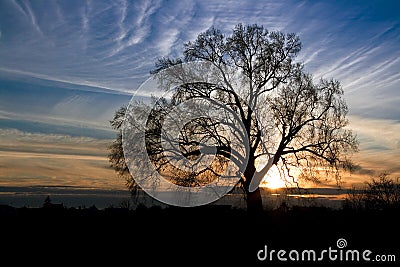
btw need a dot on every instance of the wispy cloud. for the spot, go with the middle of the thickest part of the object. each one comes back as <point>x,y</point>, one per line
<point>379,144</point>
<point>113,45</point>
<point>375,73</point>
<point>72,80</point>
<point>78,106</point>
<point>103,44</point>
<point>133,24</point>
<point>26,10</point>
<point>167,41</point>
<point>48,159</point>
<point>20,141</point>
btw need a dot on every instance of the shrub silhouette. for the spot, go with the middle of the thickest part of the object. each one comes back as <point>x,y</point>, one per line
<point>379,194</point>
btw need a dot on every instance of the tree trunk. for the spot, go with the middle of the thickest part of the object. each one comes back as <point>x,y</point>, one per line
<point>253,199</point>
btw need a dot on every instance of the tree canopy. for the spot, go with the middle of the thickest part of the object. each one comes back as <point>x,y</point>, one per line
<point>288,119</point>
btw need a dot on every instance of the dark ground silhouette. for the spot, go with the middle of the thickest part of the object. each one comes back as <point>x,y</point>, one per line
<point>207,234</point>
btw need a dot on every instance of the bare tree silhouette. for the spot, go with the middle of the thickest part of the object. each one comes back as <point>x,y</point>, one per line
<point>289,120</point>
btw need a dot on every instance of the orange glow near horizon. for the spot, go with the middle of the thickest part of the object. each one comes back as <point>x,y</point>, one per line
<point>273,179</point>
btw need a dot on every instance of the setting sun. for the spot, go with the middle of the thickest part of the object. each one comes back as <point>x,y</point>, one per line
<point>273,179</point>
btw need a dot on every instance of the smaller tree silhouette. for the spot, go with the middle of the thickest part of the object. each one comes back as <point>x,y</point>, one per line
<point>379,194</point>
<point>382,193</point>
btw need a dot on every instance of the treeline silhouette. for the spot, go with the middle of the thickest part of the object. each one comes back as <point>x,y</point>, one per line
<point>367,220</point>
<point>202,233</point>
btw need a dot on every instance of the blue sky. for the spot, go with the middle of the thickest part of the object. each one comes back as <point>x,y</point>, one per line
<point>111,46</point>
<point>73,63</point>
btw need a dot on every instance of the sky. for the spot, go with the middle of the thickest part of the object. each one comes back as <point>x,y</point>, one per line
<point>66,66</point>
